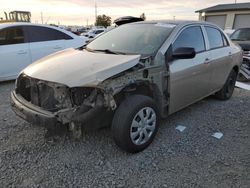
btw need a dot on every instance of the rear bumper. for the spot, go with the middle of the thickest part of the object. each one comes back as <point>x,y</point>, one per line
<point>31,113</point>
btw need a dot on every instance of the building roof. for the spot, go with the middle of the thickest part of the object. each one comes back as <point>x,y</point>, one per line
<point>227,7</point>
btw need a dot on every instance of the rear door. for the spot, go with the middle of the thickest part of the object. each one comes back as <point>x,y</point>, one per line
<point>189,78</point>
<point>14,52</point>
<point>44,41</point>
<point>221,57</point>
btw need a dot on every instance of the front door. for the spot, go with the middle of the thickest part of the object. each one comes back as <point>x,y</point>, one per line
<point>189,78</point>
<point>14,52</point>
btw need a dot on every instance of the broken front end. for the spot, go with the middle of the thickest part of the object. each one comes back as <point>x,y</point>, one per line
<point>49,104</point>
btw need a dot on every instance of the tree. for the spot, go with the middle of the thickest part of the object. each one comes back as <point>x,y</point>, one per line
<point>103,20</point>
<point>143,16</point>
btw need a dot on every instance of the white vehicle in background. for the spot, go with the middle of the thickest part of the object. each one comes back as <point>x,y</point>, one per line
<point>23,43</point>
<point>94,32</point>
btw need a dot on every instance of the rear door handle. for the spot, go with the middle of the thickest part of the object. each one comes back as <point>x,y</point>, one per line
<point>207,61</point>
<point>21,52</point>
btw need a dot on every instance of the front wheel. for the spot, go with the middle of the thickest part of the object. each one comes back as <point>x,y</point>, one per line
<point>135,123</point>
<point>226,92</point>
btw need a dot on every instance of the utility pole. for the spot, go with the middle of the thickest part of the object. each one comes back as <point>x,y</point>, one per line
<point>235,1</point>
<point>95,12</point>
<point>42,17</point>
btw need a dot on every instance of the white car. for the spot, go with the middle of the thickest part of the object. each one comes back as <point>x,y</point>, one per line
<point>23,43</point>
<point>94,32</point>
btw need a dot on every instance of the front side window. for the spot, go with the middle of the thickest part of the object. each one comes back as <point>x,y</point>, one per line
<point>144,39</point>
<point>41,34</point>
<point>13,35</point>
<point>190,37</point>
<point>214,37</point>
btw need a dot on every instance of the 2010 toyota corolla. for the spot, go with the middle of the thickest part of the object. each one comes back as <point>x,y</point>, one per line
<point>133,76</point>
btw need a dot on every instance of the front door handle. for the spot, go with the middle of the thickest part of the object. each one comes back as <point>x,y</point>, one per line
<point>21,52</point>
<point>57,47</point>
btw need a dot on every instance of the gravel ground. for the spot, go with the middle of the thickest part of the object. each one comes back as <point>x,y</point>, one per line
<point>192,158</point>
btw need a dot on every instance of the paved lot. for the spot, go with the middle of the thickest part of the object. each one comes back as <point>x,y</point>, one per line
<point>189,159</point>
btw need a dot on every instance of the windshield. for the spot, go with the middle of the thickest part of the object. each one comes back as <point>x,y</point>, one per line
<point>241,35</point>
<point>144,39</point>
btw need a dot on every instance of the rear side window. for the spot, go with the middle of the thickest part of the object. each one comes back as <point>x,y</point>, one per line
<point>40,34</point>
<point>214,37</point>
<point>191,37</point>
<point>13,35</point>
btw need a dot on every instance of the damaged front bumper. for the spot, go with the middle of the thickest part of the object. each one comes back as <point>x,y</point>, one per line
<point>37,116</point>
<point>31,113</point>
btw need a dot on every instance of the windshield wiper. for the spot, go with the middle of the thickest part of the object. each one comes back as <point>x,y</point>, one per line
<point>107,51</point>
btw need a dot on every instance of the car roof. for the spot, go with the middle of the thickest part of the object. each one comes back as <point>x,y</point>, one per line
<point>175,22</point>
<point>4,25</point>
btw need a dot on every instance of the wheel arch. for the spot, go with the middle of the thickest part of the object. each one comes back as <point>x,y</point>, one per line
<point>236,69</point>
<point>143,88</point>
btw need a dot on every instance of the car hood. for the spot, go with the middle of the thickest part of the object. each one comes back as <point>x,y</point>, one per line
<point>80,68</point>
<point>245,45</point>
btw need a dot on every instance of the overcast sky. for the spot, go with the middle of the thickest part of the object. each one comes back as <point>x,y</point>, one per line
<point>77,12</point>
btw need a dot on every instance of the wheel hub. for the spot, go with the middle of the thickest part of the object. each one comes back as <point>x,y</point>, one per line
<point>143,126</point>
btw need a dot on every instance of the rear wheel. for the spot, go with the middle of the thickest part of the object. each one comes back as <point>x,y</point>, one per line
<point>135,123</point>
<point>226,92</point>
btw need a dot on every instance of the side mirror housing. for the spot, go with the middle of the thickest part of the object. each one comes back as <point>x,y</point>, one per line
<point>184,53</point>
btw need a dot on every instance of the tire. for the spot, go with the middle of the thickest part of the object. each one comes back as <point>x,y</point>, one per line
<point>226,92</point>
<point>129,129</point>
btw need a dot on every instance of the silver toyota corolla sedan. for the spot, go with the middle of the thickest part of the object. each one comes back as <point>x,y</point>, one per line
<point>129,78</point>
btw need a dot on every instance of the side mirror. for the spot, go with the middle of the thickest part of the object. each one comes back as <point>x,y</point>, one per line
<point>184,53</point>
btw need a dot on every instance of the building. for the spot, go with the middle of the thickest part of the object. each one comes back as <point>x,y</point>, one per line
<point>227,16</point>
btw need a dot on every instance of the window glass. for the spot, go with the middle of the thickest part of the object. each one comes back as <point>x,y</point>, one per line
<point>98,31</point>
<point>214,38</point>
<point>40,34</point>
<point>191,37</point>
<point>13,35</point>
<point>144,39</point>
<point>241,35</point>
